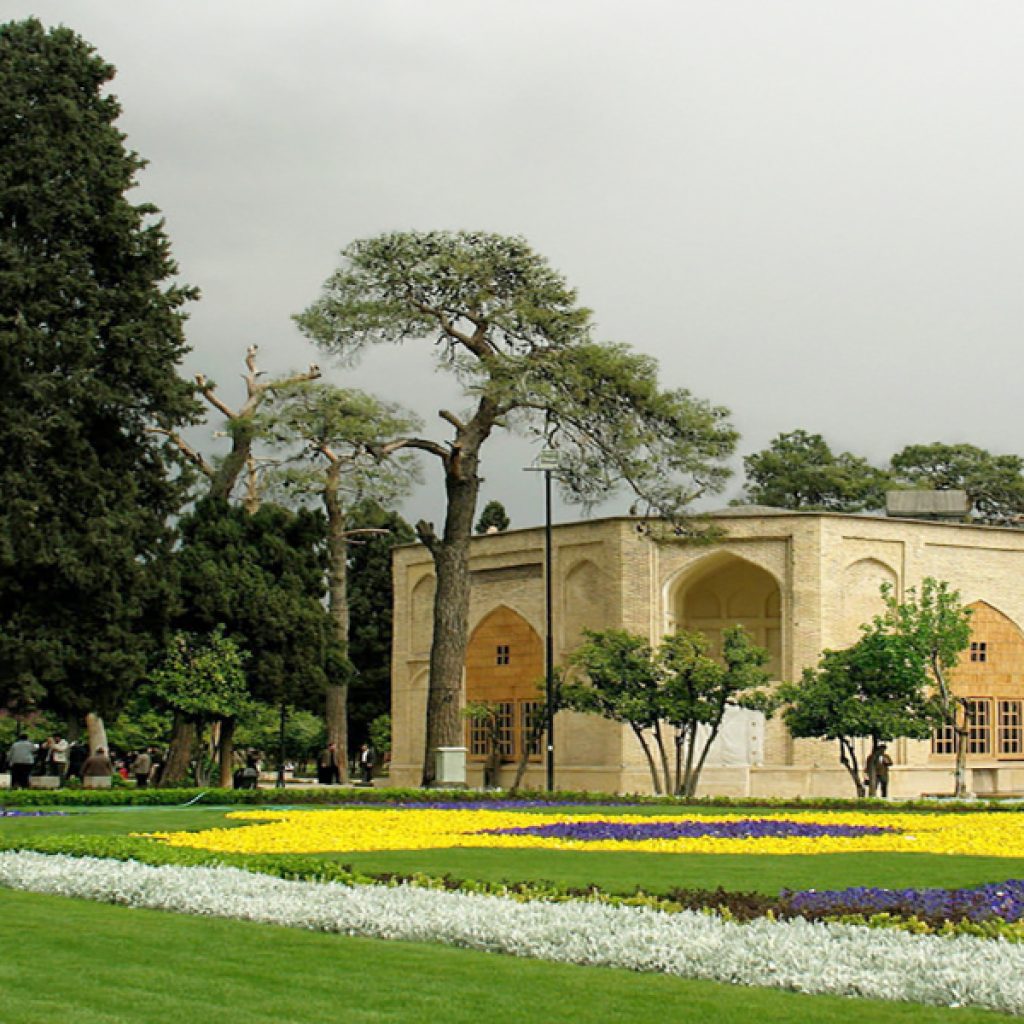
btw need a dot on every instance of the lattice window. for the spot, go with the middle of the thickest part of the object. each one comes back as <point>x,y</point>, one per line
<point>497,728</point>
<point>944,740</point>
<point>503,655</point>
<point>979,650</point>
<point>529,712</point>
<point>979,725</point>
<point>1010,727</point>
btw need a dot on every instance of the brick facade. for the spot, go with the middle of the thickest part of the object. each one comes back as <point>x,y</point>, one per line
<point>802,582</point>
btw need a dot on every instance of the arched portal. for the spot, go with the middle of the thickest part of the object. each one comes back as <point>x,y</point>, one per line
<point>990,676</point>
<point>729,591</point>
<point>504,668</point>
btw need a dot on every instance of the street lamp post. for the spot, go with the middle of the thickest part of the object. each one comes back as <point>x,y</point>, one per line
<point>280,746</point>
<point>547,463</point>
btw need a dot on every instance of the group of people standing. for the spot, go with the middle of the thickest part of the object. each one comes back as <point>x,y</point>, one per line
<point>56,757</point>
<point>328,767</point>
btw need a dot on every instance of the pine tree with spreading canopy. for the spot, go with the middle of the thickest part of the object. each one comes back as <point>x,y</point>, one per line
<point>512,332</point>
<point>90,340</point>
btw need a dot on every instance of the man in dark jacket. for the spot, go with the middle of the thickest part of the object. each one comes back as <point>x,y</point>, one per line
<point>21,757</point>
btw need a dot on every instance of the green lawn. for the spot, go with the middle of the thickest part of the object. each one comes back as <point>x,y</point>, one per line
<point>97,964</point>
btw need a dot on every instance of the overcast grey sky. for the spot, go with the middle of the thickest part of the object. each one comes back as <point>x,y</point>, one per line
<point>808,210</point>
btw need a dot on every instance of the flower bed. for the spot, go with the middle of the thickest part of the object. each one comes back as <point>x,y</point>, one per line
<point>357,829</point>
<point>797,955</point>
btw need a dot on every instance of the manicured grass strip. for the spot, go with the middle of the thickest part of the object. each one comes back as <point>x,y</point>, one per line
<point>797,955</point>
<point>111,965</point>
<point>658,873</point>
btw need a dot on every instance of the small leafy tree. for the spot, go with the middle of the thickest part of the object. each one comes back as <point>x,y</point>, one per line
<point>493,519</point>
<point>697,691</point>
<point>936,627</point>
<point>201,679</point>
<point>877,690</point>
<point>676,686</point>
<point>622,685</point>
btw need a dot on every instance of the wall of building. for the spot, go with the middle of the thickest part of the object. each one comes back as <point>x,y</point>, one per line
<point>827,570</point>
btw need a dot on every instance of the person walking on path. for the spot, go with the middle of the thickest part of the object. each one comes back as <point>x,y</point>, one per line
<point>21,757</point>
<point>141,767</point>
<point>366,763</point>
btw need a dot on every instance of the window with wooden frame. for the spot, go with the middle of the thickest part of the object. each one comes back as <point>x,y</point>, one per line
<point>503,654</point>
<point>510,728</point>
<point>944,741</point>
<point>979,650</point>
<point>1010,728</point>
<point>979,725</point>
<point>530,712</point>
<point>497,729</point>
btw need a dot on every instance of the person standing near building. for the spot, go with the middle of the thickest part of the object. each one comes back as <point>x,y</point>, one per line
<point>142,765</point>
<point>879,764</point>
<point>366,763</point>
<point>21,757</point>
<point>57,758</point>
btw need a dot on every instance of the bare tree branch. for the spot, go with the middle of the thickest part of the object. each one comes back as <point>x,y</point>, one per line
<point>186,449</point>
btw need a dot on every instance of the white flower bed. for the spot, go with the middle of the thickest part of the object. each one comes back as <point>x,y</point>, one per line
<point>797,955</point>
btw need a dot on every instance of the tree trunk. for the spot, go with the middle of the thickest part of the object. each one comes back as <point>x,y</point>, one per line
<point>539,729</point>
<point>451,613</point>
<point>179,754</point>
<point>693,774</point>
<point>97,733</point>
<point>961,736</point>
<point>226,753</point>
<point>235,461</point>
<point>652,767</point>
<point>666,771</point>
<point>848,757</point>
<point>336,697</point>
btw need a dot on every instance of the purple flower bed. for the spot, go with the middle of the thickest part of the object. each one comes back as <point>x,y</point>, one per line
<point>470,805</point>
<point>11,812</point>
<point>752,828</point>
<point>998,900</point>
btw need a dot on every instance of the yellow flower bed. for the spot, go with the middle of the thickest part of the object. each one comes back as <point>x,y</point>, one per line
<point>355,830</point>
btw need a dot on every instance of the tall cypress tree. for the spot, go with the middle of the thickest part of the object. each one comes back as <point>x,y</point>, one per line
<point>90,337</point>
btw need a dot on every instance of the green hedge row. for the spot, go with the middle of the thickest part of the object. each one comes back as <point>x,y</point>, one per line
<point>128,796</point>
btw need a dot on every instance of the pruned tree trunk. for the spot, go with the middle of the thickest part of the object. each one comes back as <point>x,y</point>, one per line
<point>336,696</point>
<point>226,753</point>
<point>179,755</point>
<point>96,732</point>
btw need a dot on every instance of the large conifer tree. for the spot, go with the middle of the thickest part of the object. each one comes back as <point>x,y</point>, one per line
<point>90,337</point>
